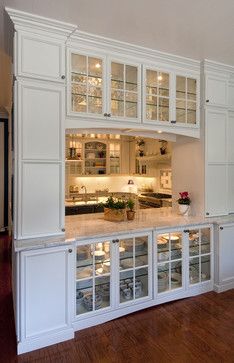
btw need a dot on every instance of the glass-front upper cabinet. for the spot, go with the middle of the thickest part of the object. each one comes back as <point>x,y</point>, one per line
<point>169,250</point>
<point>186,100</point>
<point>157,96</point>
<point>87,93</point>
<point>124,91</point>
<point>200,254</point>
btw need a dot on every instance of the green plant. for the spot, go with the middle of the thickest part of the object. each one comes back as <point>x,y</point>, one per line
<point>130,204</point>
<point>114,203</point>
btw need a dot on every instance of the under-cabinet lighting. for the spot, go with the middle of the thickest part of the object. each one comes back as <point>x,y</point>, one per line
<point>159,132</point>
<point>98,65</point>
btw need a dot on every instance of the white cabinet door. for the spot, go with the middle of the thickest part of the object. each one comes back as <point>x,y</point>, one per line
<point>231,95</point>
<point>46,296</point>
<point>40,57</point>
<point>230,188</point>
<point>216,91</point>
<point>216,200</point>
<point>230,137</point>
<point>40,121</point>
<point>225,275</point>
<point>40,199</point>
<point>216,135</point>
<point>186,96</point>
<point>124,90</point>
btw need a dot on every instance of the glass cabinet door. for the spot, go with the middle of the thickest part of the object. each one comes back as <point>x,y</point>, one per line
<point>114,149</point>
<point>157,86</point>
<point>186,100</point>
<point>124,90</point>
<point>95,158</point>
<point>169,261</point>
<point>134,264</point>
<point>199,255</point>
<point>93,274</point>
<point>86,84</point>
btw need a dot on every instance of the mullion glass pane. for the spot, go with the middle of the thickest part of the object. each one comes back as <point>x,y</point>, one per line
<point>102,292</point>
<point>180,87</point>
<point>176,274</point>
<point>191,89</point>
<point>141,251</point>
<point>126,288</point>
<point>163,277</point>
<point>126,256</point>
<point>205,240</point>
<point>163,247</point>
<point>141,283</point>
<point>176,246</point>
<point>131,78</point>
<point>163,84</point>
<point>79,64</point>
<point>181,111</point>
<point>117,75</point>
<point>194,243</point>
<point>151,82</point>
<point>84,289</point>
<point>205,268</point>
<point>194,271</point>
<point>94,68</point>
<point>163,109</point>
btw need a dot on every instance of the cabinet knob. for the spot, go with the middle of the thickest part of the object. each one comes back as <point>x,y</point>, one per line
<point>207,213</point>
<point>115,240</point>
<point>106,114</point>
<point>221,228</point>
<point>70,250</point>
<point>173,121</point>
<point>207,101</point>
<point>63,229</point>
<point>63,77</point>
<point>109,114</point>
<point>186,230</point>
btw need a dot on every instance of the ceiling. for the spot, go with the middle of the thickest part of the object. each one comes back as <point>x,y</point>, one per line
<point>192,28</point>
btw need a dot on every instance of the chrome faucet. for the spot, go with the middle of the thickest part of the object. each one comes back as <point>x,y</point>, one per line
<point>85,189</point>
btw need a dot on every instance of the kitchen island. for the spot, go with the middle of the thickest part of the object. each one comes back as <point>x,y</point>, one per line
<point>102,270</point>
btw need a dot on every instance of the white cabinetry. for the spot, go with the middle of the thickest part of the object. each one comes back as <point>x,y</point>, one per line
<point>40,56</point>
<point>216,92</point>
<point>184,262</point>
<point>224,257</point>
<point>40,165</point>
<point>45,297</point>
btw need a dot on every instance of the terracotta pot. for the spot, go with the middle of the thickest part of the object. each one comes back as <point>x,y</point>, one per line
<point>130,215</point>
<point>114,215</point>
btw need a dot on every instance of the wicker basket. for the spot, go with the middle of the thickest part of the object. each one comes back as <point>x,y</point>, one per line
<point>114,215</point>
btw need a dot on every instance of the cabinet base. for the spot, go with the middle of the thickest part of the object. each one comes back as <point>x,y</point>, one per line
<point>31,344</point>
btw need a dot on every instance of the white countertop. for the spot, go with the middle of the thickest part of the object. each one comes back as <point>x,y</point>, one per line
<point>83,226</point>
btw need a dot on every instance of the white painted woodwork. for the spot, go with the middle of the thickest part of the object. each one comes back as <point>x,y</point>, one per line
<point>41,120</point>
<point>2,171</point>
<point>40,56</point>
<point>216,135</point>
<point>230,168</point>
<point>216,91</point>
<point>231,95</point>
<point>41,209</point>
<point>230,137</point>
<point>45,295</point>
<point>216,199</point>
<point>225,257</point>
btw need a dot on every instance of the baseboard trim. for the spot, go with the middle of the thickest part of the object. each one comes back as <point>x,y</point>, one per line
<point>224,287</point>
<point>46,340</point>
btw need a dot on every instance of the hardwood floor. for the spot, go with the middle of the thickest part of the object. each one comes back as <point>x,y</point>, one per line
<point>198,329</point>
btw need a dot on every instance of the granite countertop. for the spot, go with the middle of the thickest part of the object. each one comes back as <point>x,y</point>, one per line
<point>84,226</point>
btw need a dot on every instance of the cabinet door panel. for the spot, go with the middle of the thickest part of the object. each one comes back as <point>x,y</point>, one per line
<point>40,57</point>
<point>216,190</point>
<point>45,291</point>
<point>216,91</point>
<point>216,132</point>
<point>41,114</point>
<point>230,137</point>
<point>230,188</point>
<point>231,95</point>
<point>226,254</point>
<point>41,204</point>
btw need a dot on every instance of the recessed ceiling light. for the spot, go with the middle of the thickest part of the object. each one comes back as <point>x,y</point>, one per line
<point>98,65</point>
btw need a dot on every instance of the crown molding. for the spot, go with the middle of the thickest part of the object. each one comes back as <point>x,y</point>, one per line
<point>87,39</point>
<point>22,20</point>
<point>212,66</point>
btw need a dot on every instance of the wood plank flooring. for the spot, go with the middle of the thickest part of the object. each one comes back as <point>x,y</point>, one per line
<point>198,329</point>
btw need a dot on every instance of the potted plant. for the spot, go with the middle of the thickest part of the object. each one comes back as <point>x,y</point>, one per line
<point>114,209</point>
<point>184,202</point>
<point>130,212</point>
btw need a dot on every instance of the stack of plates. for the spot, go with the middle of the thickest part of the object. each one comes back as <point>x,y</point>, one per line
<point>88,301</point>
<point>175,280</point>
<point>162,281</point>
<point>83,272</point>
<point>82,253</point>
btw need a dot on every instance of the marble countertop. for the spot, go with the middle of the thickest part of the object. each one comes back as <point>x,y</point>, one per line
<point>84,226</point>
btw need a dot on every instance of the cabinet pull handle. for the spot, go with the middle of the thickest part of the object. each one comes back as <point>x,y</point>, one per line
<point>70,250</point>
<point>207,101</point>
<point>63,229</point>
<point>173,121</point>
<point>106,114</point>
<point>115,240</point>
<point>63,77</point>
<point>186,230</point>
<point>207,213</point>
<point>221,228</point>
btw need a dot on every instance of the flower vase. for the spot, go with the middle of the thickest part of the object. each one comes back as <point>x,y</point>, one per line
<point>184,209</point>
